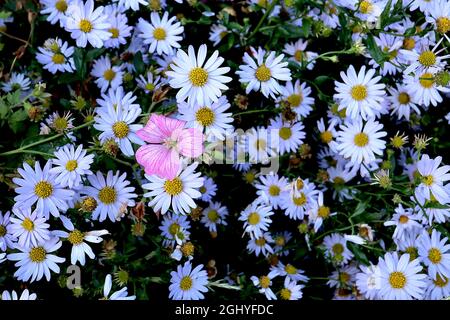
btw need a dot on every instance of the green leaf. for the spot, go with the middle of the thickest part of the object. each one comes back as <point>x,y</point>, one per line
<point>138,63</point>
<point>374,50</point>
<point>15,121</point>
<point>94,54</point>
<point>78,59</point>
<point>359,254</point>
<point>3,109</point>
<point>385,15</point>
<point>360,208</point>
<point>13,98</point>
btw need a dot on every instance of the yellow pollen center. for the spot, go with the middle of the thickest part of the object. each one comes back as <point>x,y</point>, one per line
<point>290,269</point>
<point>361,139</point>
<point>173,187</point>
<point>71,165</point>
<point>264,281</point>
<point>75,237</point>
<point>365,7</point>
<point>339,181</point>
<point>107,195</point>
<point>155,5</point>
<point>186,283</point>
<point>109,75</point>
<point>403,219</point>
<point>443,24</point>
<point>174,229</point>
<point>412,253</point>
<point>249,177</point>
<point>285,133</point>
<point>274,190</point>
<point>213,215</point>
<point>58,58</point>
<point>263,73</point>
<point>280,241</point>
<point>403,98</point>
<point>205,116</point>
<point>426,80</point>
<point>344,277</point>
<point>253,218</point>
<point>198,77</point>
<point>120,129</point>
<point>359,92</point>
<point>427,180</point>
<point>298,55</point>
<point>299,201</point>
<point>427,58</point>
<point>37,254</point>
<point>337,249</point>
<point>295,99</point>
<point>285,294</point>
<point>202,189</point>
<point>326,136</point>
<point>28,225</point>
<point>440,281</point>
<point>85,26</point>
<point>60,123</point>
<point>61,5</point>
<point>435,255</point>
<point>114,32</point>
<point>323,212</point>
<point>2,230</point>
<point>260,242</point>
<point>43,189</point>
<point>159,34</point>
<point>409,43</point>
<point>397,280</point>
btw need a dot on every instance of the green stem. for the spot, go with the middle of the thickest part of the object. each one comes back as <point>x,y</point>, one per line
<point>264,17</point>
<point>251,111</point>
<point>59,135</point>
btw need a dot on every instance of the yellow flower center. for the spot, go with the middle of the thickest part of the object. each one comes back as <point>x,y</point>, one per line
<point>43,189</point>
<point>413,254</point>
<point>263,73</point>
<point>323,212</point>
<point>409,43</point>
<point>159,34</point>
<point>120,129</point>
<point>75,237</point>
<point>295,100</point>
<point>426,80</point>
<point>107,195</point>
<point>435,255</point>
<point>344,277</point>
<point>114,32</point>
<point>60,123</point>
<point>337,249</point>
<point>89,204</point>
<point>440,282</point>
<point>28,225</point>
<point>280,241</point>
<point>359,92</point>
<point>186,283</point>
<point>2,230</point>
<point>285,133</point>
<point>249,177</point>
<point>198,77</point>
<point>37,254</point>
<point>285,294</point>
<point>443,24</point>
<point>58,58</point>
<point>260,242</point>
<point>71,165</point>
<point>403,98</point>
<point>403,219</point>
<point>173,187</point>
<point>61,5</point>
<point>427,58</point>
<point>205,116</point>
<point>339,181</point>
<point>326,136</point>
<point>397,280</point>
<point>213,215</point>
<point>264,281</point>
<point>298,55</point>
<point>299,201</point>
<point>253,218</point>
<point>202,189</point>
<point>427,180</point>
<point>109,75</point>
<point>85,26</point>
<point>155,5</point>
<point>174,228</point>
<point>361,139</point>
<point>365,7</point>
<point>274,190</point>
<point>290,269</point>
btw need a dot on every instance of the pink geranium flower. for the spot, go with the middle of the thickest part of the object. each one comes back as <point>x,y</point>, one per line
<point>169,140</point>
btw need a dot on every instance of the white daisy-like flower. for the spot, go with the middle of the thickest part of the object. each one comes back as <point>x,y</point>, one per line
<point>264,73</point>
<point>390,45</point>
<point>328,134</point>
<point>106,74</point>
<point>296,203</point>
<point>119,29</point>
<point>37,261</point>
<point>113,195</point>
<point>405,222</point>
<point>297,95</point>
<point>187,283</point>
<point>162,34</point>
<point>439,16</point>
<point>86,24</point>
<point>25,295</point>
<point>291,134</point>
<point>118,124</point>
<point>174,227</point>
<point>434,253</point>
<point>200,82</point>
<point>437,289</point>
<point>56,55</point>
<point>39,186</point>
<point>291,272</point>
<point>122,294</point>
<point>56,10</point>
<point>262,144</point>
<point>345,277</point>
<point>360,142</point>
<point>423,5</point>
<point>291,290</point>
<point>298,54</point>
<point>432,179</point>
<point>70,165</point>
<point>217,33</point>
<point>214,215</point>
<point>319,212</point>
<point>256,219</point>
<point>368,281</point>
<point>79,240</point>
<point>118,99</point>
<point>270,189</point>
<point>150,83</point>
<point>424,89</point>
<point>402,103</point>
<point>400,278</point>
<point>360,94</point>
<point>263,283</point>
<point>212,120</point>
<point>178,193</point>
<point>424,59</point>
<point>18,81</point>
<point>6,239</point>
<point>133,4</point>
<point>208,189</point>
<point>261,245</point>
<point>336,245</point>
<point>30,228</point>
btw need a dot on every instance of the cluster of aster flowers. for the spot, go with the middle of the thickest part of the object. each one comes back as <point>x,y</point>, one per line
<point>325,167</point>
